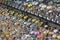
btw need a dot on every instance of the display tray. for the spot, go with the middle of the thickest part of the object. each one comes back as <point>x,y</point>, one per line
<point>18,24</point>
<point>49,16</point>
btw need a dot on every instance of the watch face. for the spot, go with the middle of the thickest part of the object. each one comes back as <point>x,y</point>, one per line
<point>56,0</point>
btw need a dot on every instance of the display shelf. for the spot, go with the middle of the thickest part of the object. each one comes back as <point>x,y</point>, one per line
<point>18,24</point>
